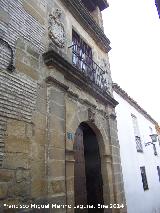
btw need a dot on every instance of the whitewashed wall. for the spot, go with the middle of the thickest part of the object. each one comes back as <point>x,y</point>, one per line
<point>138,200</point>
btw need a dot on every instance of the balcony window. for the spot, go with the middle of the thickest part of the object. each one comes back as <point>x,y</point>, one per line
<point>82,59</point>
<point>144,178</point>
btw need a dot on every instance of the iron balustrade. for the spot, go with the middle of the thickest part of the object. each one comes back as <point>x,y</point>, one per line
<point>85,64</point>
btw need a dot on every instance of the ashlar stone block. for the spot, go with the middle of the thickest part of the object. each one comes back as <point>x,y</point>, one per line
<point>26,69</point>
<point>16,128</point>
<point>57,138</point>
<point>6,175</point>
<point>56,124</point>
<point>56,153</point>
<point>14,160</point>
<point>33,12</point>
<point>3,190</point>
<point>15,144</point>
<point>38,188</point>
<point>57,186</point>
<point>56,168</point>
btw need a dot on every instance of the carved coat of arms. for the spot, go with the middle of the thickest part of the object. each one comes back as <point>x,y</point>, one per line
<point>56,28</point>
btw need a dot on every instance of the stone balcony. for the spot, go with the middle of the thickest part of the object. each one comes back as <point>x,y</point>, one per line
<point>83,72</point>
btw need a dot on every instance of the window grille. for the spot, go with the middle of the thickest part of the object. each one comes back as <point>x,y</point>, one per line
<point>144,178</point>
<point>82,59</point>
<point>138,144</point>
<point>158,170</point>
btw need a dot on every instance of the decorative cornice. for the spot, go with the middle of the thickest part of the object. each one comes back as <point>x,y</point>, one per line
<point>52,58</point>
<point>132,102</point>
<point>90,4</point>
<point>105,4</point>
<point>79,11</point>
<point>157,3</point>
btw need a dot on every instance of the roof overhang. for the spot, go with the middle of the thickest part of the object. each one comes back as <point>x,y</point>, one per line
<point>92,4</point>
<point>157,3</point>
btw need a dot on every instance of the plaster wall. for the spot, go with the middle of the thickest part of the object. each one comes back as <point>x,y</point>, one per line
<point>137,199</point>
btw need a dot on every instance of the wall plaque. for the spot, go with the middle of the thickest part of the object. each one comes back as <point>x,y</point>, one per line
<point>70,136</point>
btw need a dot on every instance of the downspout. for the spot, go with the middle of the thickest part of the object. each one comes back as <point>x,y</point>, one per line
<point>65,154</point>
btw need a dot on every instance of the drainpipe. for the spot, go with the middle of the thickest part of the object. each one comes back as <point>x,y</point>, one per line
<point>65,154</point>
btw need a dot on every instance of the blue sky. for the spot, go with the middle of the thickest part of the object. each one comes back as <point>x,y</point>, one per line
<point>133,28</point>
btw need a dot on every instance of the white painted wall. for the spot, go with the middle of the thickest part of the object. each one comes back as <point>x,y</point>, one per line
<point>138,200</point>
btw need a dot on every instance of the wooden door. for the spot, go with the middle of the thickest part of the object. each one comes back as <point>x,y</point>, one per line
<point>88,178</point>
<point>80,174</point>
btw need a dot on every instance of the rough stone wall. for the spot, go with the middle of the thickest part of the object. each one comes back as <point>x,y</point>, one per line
<point>17,101</point>
<point>17,96</point>
<point>17,21</point>
<point>22,102</point>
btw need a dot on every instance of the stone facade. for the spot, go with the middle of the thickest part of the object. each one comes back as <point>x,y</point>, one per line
<point>43,100</point>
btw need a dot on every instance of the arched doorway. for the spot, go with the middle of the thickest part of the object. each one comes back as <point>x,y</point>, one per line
<point>88,178</point>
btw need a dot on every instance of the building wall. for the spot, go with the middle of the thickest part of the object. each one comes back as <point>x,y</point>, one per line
<point>137,199</point>
<point>37,114</point>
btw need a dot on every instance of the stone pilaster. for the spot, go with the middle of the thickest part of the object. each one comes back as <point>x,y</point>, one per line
<point>56,146</point>
<point>118,185</point>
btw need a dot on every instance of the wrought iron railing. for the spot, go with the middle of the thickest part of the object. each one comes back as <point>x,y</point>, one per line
<point>85,64</point>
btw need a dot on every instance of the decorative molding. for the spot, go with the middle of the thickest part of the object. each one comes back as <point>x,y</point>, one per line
<point>56,28</point>
<point>72,94</point>
<point>132,102</point>
<point>51,80</point>
<point>113,116</point>
<point>4,45</point>
<point>91,115</point>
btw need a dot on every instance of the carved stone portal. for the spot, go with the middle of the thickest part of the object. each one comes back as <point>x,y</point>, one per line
<point>56,28</point>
